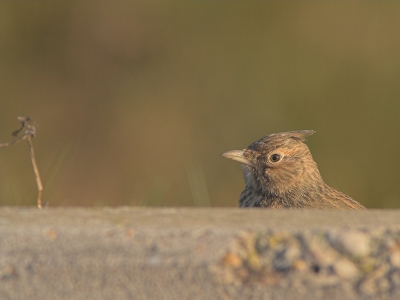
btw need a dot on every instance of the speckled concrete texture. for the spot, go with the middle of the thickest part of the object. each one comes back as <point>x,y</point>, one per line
<point>196,253</point>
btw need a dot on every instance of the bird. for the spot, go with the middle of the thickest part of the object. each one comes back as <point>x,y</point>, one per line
<point>280,172</point>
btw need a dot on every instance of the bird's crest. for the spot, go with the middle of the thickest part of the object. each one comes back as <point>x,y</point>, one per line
<point>297,135</point>
<point>277,140</point>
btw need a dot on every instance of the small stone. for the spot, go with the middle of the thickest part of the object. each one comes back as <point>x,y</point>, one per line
<point>379,272</point>
<point>281,264</point>
<point>346,269</point>
<point>352,242</point>
<point>262,244</point>
<point>322,257</point>
<point>232,260</point>
<point>292,252</point>
<point>383,285</point>
<point>254,262</point>
<point>299,265</point>
<point>154,260</point>
<point>286,257</point>
<point>368,287</point>
<point>395,258</point>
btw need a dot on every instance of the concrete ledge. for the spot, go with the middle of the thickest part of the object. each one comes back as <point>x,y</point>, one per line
<point>193,253</point>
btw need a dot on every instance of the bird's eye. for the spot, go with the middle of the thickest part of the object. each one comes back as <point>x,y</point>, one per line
<point>275,157</point>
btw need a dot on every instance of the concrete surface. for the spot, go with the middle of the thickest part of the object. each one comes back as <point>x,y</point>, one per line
<point>169,253</point>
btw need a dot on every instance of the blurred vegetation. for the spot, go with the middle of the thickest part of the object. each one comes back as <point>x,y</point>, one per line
<point>135,101</point>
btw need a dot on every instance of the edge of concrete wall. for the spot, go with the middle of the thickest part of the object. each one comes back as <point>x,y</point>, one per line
<point>198,253</point>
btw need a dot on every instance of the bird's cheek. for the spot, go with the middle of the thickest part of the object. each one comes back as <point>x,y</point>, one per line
<point>284,175</point>
<point>295,174</point>
<point>270,174</point>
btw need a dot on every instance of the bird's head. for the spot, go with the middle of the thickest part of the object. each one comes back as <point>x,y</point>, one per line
<point>277,163</point>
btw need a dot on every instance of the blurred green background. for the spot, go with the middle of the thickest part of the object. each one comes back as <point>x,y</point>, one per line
<point>136,101</point>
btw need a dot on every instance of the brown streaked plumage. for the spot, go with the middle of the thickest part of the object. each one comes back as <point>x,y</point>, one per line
<point>280,172</point>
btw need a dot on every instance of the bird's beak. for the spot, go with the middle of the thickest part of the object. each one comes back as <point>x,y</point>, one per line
<point>238,156</point>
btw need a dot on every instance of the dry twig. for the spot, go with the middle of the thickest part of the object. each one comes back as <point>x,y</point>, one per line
<point>27,132</point>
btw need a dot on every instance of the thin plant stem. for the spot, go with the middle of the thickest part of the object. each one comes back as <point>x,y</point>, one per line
<point>28,130</point>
